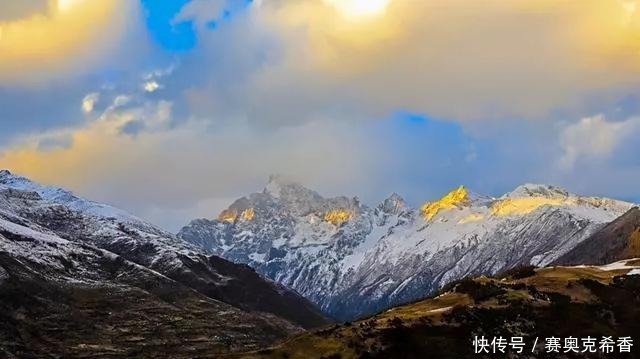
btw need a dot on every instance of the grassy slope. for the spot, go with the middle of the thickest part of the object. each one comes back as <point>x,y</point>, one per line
<point>562,301</point>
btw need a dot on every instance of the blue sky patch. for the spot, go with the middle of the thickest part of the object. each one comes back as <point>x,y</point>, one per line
<point>171,36</point>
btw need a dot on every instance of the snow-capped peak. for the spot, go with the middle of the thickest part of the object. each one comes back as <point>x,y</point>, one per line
<point>274,186</point>
<point>393,204</point>
<point>292,195</point>
<point>529,197</point>
<point>457,198</point>
<point>537,190</point>
<point>280,186</point>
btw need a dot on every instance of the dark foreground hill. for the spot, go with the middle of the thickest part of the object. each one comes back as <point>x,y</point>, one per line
<point>126,312</point>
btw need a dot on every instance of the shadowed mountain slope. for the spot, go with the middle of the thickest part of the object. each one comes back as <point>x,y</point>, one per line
<point>618,240</point>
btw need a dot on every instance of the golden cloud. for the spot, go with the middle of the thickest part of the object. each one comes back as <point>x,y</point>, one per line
<point>455,59</point>
<point>70,36</point>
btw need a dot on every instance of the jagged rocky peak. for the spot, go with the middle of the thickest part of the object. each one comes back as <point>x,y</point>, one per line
<point>4,173</point>
<point>282,187</point>
<point>285,198</point>
<point>243,209</point>
<point>292,195</point>
<point>299,200</point>
<point>392,204</point>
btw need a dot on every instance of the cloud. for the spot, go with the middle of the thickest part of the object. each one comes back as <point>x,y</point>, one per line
<point>202,11</point>
<point>600,156</point>
<point>151,86</point>
<point>458,59</point>
<point>175,167</point>
<point>595,138</point>
<point>89,101</point>
<point>42,42</point>
<point>12,10</point>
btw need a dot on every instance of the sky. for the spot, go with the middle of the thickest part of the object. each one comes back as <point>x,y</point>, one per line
<point>173,109</point>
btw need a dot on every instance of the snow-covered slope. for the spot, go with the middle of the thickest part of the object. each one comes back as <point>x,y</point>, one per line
<point>67,198</point>
<point>352,259</point>
<point>66,241</point>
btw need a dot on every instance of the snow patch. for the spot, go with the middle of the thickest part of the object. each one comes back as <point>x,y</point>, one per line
<point>440,310</point>
<point>620,265</point>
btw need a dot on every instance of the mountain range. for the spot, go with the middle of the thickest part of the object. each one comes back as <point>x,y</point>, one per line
<point>81,279</point>
<point>354,260</point>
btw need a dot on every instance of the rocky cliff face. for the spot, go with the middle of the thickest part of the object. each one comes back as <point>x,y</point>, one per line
<point>352,259</point>
<point>83,279</point>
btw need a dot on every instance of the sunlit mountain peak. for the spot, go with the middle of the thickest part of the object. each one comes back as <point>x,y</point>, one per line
<point>337,216</point>
<point>454,199</point>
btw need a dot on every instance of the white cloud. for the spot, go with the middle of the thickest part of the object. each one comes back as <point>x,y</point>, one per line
<point>595,138</point>
<point>151,86</point>
<point>63,39</point>
<point>89,101</point>
<point>121,100</point>
<point>201,11</point>
<point>283,61</point>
